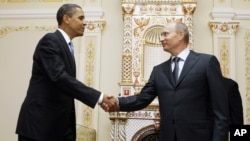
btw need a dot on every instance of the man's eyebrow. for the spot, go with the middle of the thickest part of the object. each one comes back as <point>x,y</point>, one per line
<point>164,32</point>
<point>82,17</point>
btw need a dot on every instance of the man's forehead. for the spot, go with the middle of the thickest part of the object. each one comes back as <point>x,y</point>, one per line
<point>168,26</point>
<point>79,12</point>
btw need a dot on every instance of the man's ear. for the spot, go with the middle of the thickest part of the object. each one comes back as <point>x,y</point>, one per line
<point>181,35</point>
<point>66,19</point>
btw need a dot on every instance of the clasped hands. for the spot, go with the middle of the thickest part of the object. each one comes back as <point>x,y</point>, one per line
<point>110,103</point>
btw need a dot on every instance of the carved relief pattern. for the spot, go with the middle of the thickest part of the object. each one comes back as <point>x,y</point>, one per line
<point>142,131</point>
<point>155,1</point>
<point>126,65</point>
<point>92,26</point>
<point>112,131</point>
<point>127,43</point>
<point>141,114</point>
<point>141,17</point>
<point>224,28</point>
<point>247,41</point>
<point>89,76</point>
<point>224,55</point>
<point>45,28</point>
<point>122,131</point>
<point>135,26</point>
<point>95,26</point>
<point>189,9</point>
<point>7,29</point>
<point>31,1</point>
<point>90,58</point>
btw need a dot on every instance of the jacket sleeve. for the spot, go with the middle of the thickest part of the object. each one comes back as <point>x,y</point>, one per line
<point>52,56</point>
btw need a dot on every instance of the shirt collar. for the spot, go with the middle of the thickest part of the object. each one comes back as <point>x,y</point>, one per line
<point>65,35</point>
<point>183,54</point>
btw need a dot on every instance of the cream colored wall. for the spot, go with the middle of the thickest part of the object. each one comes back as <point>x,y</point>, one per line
<point>111,60</point>
<point>242,56</point>
<point>17,46</point>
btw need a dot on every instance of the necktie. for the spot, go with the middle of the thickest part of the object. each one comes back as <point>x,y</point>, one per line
<point>71,48</point>
<point>176,68</point>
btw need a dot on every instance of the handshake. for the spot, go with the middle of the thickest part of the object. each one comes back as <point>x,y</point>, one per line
<point>110,103</point>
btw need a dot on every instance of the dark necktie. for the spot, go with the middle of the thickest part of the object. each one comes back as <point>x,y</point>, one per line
<point>71,47</point>
<point>176,68</point>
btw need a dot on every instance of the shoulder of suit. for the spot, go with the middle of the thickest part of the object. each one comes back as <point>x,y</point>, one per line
<point>203,55</point>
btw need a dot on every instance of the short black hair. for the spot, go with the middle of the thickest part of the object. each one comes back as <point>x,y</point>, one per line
<point>66,9</point>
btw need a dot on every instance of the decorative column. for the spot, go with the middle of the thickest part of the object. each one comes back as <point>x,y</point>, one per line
<point>127,43</point>
<point>88,59</point>
<point>142,24</point>
<point>224,45</point>
<point>118,130</point>
<point>189,9</point>
<point>247,57</point>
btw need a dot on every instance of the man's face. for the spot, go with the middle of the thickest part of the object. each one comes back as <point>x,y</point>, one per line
<point>169,38</point>
<point>76,23</point>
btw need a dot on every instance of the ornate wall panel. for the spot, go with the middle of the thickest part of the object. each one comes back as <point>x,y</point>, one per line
<point>143,21</point>
<point>224,45</point>
<point>89,66</point>
<point>224,26</point>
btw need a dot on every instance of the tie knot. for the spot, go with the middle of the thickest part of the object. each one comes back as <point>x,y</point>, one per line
<point>176,59</point>
<point>71,44</point>
<point>71,48</point>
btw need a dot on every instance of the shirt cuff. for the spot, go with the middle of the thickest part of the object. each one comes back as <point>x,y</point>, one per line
<point>100,99</point>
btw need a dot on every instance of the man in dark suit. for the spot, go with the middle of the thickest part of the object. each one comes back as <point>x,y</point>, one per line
<point>235,102</point>
<point>48,112</point>
<point>195,107</point>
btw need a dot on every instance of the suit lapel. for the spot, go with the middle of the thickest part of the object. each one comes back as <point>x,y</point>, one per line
<point>168,72</point>
<point>189,63</point>
<point>66,50</point>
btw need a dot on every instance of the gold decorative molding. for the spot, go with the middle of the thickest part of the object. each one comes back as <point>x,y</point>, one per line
<point>126,64</point>
<point>31,1</point>
<point>138,20</point>
<point>224,55</point>
<point>155,1</point>
<point>142,24</point>
<point>45,28</point>
<point>92,26</point>
<point>90,59</point>
<point>224,27</point>
<point>90,43</point>
<point>224,44</point>
<point>95,26</point>
<point>8,29</point>
<point>247,55</point>
<point>14,1</point>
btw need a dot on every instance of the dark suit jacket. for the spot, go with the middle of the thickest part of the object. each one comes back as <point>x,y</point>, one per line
<point>48,109</point>
<point>235,102</point>
<point>195,109</point>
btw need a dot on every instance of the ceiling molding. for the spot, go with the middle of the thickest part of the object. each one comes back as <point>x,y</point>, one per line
<point>230,13</point>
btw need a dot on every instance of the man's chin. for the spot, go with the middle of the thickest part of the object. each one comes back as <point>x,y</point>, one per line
<point>80,34</point>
